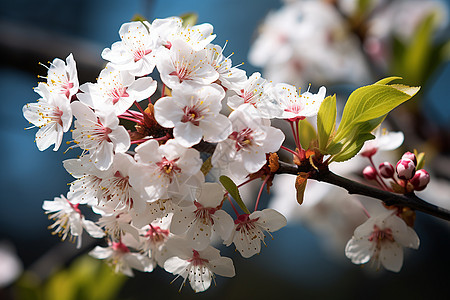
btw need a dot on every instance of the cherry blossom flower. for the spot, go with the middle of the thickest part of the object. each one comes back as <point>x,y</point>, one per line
<point>87,186</point>
<point>295,106</point>
<point>159,166</point>
<point>62,77</point>
<point>249,230</point>
<point>245,149</point>
<point>199,267</point>
<point>381,239</point>
<point>135,51</point>
<point>170,29</point>
<point>116,90</point>
<point>69,221</point>
<point>229,77</point>
<point>117,191</point>
<point>52,114</point>
<point>154,240</point>
<point>182,64</point>
<point>101,135</point>
<point>256,91</point>
<point>194,112</point>
<point>119,255</point>
<point>199,221</point>
<point>116,223</point>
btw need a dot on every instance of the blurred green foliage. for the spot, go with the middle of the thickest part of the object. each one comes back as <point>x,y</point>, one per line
<point>85,278</point>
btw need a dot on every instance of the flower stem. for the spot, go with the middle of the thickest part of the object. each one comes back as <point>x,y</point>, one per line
<point>260,192</point>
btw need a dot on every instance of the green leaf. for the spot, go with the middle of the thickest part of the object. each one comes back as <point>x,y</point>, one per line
<point>420,157</point>
<point>326,121</point>
<point>350,146</point>
<point>306,133</point>
<point>189,19</point>
<point>353,148</point>
<point>387,80</point>
<point>371,102</point>
<point>233,190</point>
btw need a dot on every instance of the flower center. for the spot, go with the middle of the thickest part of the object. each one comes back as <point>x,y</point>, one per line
<point>118,93</point>
<point>192,114</point>
<point>138,54</point>
<point>156,234</point>
<point>245,223</point>
<point>243,139</point>
<point>168,167</point>
<point>196,260</point>
<point>378,235</point>
<point>120,247</point>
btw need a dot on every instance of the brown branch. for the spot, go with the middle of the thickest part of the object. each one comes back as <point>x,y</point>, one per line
<point>409,200</point>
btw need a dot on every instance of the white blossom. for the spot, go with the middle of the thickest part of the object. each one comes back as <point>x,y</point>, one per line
<point>116,90</point>
<point>206,217</point>
<point>135,51</point>
<point>69,221</point>
<point>62,77</point>
<point>52,114</point>
<point>251,138</point>
<point>199,267</point>
<point>249,230</point>
<point>100,135</point>
<point>381,239</point>
<point>194,113</point>
<point>122,259</point>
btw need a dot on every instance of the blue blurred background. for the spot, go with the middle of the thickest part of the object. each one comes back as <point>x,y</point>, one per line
<point>292,266</point>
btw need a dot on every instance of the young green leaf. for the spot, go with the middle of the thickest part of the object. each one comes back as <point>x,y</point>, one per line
<point>353,148</point>
<point>233,190</point>
<point>326,121</point>
<point>371,102</point>
<point>387,80</point>
<point>189,19</point>
<point>306,133</point>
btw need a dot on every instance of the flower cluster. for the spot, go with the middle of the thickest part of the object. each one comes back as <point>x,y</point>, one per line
<point>408,177</point>
<point>146,182</point>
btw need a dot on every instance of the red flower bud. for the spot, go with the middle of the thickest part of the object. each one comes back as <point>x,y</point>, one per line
<point>386,170</point>
<point>420,180</point>
<point>411,156</point>
<point>405,169</point>
<point>370,173</point>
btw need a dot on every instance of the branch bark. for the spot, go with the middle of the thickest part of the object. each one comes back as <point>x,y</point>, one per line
<point>353,187</point>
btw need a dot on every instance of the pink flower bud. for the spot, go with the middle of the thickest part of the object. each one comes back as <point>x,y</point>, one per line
<point>420,180</point>
<point>411,156</point>
<point>369,173</point>
<point>405,168</point>
<point>386,170</point>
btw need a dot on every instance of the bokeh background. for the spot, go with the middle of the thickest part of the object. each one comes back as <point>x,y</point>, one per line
<point>295,265</point>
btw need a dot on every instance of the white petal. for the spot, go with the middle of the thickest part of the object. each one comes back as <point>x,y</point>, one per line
<point>269,219</point>
<point>187,134</point>
<point>93,230</point>
<point>182,220</point>
<point>222,266</point>
<point>391,256</point>
<point>223,224</point>
<point>101,253</point>
<point>359,251</point>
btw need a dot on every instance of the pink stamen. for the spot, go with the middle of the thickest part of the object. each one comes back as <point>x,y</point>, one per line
<point>196,260</point>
